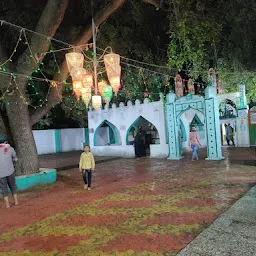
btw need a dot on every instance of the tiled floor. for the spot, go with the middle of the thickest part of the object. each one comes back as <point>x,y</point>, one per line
<point>137,207</point>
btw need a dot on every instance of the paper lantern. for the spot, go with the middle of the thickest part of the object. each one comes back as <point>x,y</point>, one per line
<point>107,93</point>
<point>74,60</point>
<point>96,102</point>
<point>87,80</point>
<point>77,88</point>
<point>112,59</point>
<point>114,80</point>
<point>86,95</point>
<point>101,85</point>
<point>77,73</point>
<point>113,68</point>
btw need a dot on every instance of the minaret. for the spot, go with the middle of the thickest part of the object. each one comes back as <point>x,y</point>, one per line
<point>242,97</point>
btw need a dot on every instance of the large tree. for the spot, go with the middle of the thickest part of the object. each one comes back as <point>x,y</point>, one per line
<point>217,34</point>
<point>52,18</point>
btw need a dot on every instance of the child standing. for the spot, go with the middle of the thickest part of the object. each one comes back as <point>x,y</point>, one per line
<point>86,166</point>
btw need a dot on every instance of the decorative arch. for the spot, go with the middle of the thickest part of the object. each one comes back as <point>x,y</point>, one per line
<point>191,117</point>
<point>196,122</point>
<point>196,112</point>
<point>133,125</point>
<point>113,135</point>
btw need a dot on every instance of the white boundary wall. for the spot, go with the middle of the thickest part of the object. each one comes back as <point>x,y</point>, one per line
<point>45,141</point>
<point>122,118</point>
<point>55,141</point>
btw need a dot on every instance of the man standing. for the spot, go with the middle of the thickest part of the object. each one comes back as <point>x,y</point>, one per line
<point>7,175</point>
<point>229,134</point>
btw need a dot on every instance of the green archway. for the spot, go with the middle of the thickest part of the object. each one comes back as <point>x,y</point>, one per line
<point>113,136</point>
<point>183,131</point>
<point>196,122</point>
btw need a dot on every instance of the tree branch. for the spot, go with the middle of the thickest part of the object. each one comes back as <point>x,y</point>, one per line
<point>4,79</point>
<point>48,23</point>
<point>55,96</point>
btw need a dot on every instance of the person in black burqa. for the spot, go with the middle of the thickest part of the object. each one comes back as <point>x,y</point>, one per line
<point>139,144</point>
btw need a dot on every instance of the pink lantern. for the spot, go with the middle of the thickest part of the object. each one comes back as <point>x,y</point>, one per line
<point>87,80</point>
<point>77,88</point>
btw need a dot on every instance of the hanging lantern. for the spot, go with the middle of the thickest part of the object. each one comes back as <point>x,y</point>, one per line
<point>113,68</point>
<point>87,80</point>
<point>77,88</point>
<point>101,86</point>
<point>86,95</point>
<point>77,73</point>
<point>114,80</point>
<point>96,102</point>
<point>107,93</point>
<point>74,60</point>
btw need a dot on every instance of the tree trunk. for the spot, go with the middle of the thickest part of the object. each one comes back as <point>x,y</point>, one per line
<point>23,138</point>
<point>5,129</point>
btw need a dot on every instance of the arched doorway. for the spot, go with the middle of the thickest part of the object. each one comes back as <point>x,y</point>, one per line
<point>228,115</point>
<point>150,133</point>
<point>106,134</point>
<point>191,118</point>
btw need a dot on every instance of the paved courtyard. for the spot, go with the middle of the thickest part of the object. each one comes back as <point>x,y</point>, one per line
<point>137,207</point>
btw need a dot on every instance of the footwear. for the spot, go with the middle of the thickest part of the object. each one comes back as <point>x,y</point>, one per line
<point>89,189</point>
<point>85,186</point>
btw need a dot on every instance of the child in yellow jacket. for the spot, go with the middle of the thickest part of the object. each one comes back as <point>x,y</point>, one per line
<point>86,166</point>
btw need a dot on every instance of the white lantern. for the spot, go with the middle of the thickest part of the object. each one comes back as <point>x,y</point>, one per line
<point>86,95</point>
<point>77,73</point>
<point>114,80</point>
<point>77,88</point>
<point>112,59</point>
<point>87,80</point>
<point>74,60</point>
<point>96,102</point>
<point>113,68</point>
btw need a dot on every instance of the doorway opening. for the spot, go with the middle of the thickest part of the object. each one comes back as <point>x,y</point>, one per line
<point>149,134</point>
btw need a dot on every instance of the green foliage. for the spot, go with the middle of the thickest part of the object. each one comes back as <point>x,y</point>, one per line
<point>75,110</point>
<point>140,83</point>
<point>44,123</point>
<point>217,34</point>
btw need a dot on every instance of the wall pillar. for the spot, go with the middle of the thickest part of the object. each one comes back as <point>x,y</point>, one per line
<point>57,141</point>
<point>212,120</point>
<point>172,127</point>
<point>243,137</point>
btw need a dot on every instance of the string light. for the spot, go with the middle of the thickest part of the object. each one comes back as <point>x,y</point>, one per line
<point>54,84</point>
<point>14,51</point>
